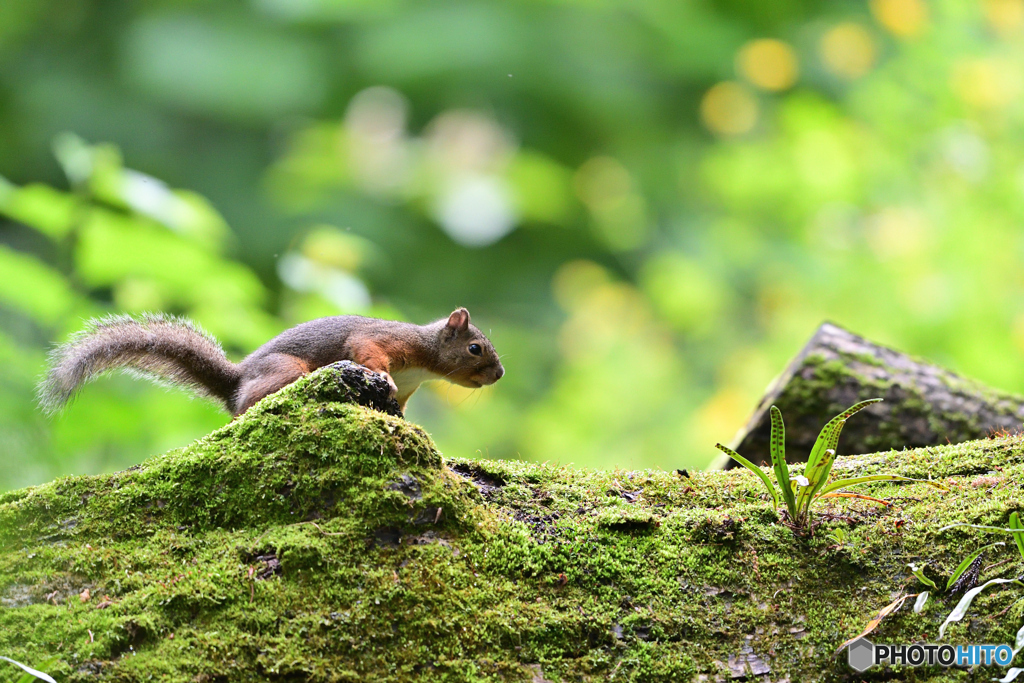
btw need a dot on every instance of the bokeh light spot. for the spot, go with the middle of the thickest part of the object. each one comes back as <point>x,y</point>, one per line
<point>1006,17</point>
<point>602,182</point>
<point>728,108</point>
<point>768,63</point>
<point>848,50</point>
<point>897,232</point>
<point>467,154</point>
<point>575,280</point>
<point>823,161</point>
<point>903,18</point>
<point>459,397</point>
<point>966,152</point>
<point>477,210</point>
<point>464,141</point>
<point>985,83</point>
<point>375,122</point>
<point>929,295</point>
<point>722,415</point>
<point>619,210</point>
<point>685,293</point>
<point>325,264</point>
<point>333,248</point>
<point>139,294</point>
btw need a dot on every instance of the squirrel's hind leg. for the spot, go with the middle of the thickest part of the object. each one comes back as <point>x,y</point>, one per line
<point>265,376</point>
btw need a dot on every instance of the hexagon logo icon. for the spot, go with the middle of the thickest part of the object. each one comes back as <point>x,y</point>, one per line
<point>860,654</point>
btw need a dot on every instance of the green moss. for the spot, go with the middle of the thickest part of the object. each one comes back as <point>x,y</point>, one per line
<point>313,540</point>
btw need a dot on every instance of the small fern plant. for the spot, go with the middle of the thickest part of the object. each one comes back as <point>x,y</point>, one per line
<point>802,491</point>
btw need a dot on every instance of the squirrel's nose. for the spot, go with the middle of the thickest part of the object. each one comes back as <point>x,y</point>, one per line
<point>499,373</point>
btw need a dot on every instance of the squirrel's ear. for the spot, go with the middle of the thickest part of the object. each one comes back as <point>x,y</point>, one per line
<point>459,320</point>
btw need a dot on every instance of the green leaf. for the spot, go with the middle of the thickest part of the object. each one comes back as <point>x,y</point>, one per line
<point>101,169</point>
<point>40,207</point>
<point>1018,537</point>
<point>753,468</point>
<point>826,462</point>
<point>827,432</point>
<point>919,573</point>
<point>833,438</point>
<point>818,477</point>
<point>114,250</point>
<point>843,483</point>
<point>778,450</point>
<point>985,527</point>
<point>832,445</point>
<point>32,287</point>
<point>1016,529</point>
<point>965,602</point>
<point>962,567</point>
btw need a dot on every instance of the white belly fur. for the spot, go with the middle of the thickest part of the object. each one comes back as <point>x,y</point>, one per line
<point>407,381</point>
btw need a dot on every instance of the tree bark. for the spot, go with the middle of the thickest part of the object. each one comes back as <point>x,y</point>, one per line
<point>924,405</point>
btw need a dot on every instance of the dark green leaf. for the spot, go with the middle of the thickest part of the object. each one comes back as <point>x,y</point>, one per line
<point>753,468</point>
<point>778,451</point>
<point>829,430</point>
<point>962,567</point>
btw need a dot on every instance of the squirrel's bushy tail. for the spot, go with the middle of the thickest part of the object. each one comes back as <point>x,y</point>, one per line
<point>164,348</point>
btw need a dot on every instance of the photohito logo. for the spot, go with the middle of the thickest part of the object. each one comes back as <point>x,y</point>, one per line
<point>863,654</point>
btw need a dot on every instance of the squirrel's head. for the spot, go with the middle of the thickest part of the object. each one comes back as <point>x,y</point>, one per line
<point>467,357</point>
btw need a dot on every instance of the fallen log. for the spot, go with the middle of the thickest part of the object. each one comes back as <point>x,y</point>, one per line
<point>313,539</point>
<point>924,405</point>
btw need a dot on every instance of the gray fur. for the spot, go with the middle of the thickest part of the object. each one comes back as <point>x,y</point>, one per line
<point>161,347</point>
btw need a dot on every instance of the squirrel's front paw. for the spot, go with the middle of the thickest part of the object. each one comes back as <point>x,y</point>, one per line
<point>391,383</point>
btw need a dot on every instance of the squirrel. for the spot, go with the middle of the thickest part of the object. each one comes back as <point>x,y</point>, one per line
<point>177,351</point>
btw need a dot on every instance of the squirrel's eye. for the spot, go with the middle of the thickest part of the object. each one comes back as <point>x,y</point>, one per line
<point>475,349</point>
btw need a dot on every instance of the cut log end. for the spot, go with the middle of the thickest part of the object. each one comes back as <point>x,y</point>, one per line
<point>925,404</point>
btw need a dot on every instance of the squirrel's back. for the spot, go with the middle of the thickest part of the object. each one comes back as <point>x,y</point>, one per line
<point>325,340</point>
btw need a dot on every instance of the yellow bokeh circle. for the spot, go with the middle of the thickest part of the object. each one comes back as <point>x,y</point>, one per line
<point>1006,17</point>
<point>729,108</point>
<point>848,50</point>
<point>903,18</point>
<point>768,63</point>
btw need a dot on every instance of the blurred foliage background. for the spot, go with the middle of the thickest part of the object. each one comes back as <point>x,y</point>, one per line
<point>649,205</point>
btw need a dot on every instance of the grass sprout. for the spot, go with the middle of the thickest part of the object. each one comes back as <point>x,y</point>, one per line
<point>800,492</point>
<point>918,571</point>
<point>1015,528</point>
<point>968,561</point>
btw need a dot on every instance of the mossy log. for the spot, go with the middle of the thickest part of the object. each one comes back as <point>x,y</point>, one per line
<point>925,404</point>
<point>318,540</point>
